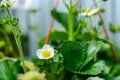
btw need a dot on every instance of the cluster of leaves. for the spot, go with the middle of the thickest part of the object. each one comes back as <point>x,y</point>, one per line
<point>77,56</point>
<point>80,55</point>
<point>9,69</point>
<point>79,60</point>
<point>74,58</point>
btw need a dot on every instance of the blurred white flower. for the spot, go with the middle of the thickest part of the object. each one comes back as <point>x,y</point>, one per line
<point>46,52</point>
<point>22,4</point>
<point>26,4</point>
<point>89,12</point>
<point>6,4</point>
<point>33,75</point>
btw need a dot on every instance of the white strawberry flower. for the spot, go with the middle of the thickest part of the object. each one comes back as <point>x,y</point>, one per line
<point>6,4</point>
<point>46,52</point>
<point>89,12</point>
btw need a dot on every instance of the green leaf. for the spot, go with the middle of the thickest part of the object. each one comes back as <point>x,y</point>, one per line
<point>6,71</point>
<point>73,54</point>
<point>41,42</point>
<point>87,36</point>
<point>57,57</point>
<point>59,35</point>
<point>93,48</point>
<point>93,68</point>
<point>112,78</point>
<point>83,23</point>
<point>62,18</point>
<point>17,67</point>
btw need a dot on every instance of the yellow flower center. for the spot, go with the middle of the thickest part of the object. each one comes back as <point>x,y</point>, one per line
<point>88,10</point>
<point>46,53</point>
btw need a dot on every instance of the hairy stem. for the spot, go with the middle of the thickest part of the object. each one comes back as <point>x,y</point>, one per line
<point>18,42</point>
<point>9,15</point>
<point>70,22</point>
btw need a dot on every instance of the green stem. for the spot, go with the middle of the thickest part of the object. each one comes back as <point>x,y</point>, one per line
<point>18,42</point>
<point>91,25</point>
<point>70,26</point>
<point>70,22</point>
<point>79,26</point>
<point>77,31</point>
<point>95,58</point>
<point>9,15</point>
<point>65,4</point>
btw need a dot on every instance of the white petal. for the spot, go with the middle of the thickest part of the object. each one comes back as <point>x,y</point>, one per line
<point>38,52</point>
<point>40,57</point>
<point>52,54</point>
<point>46,46</point>
<point>83,14</point>
<point>52,50</point>
<point>93,12</point>
<point>90,13</point>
